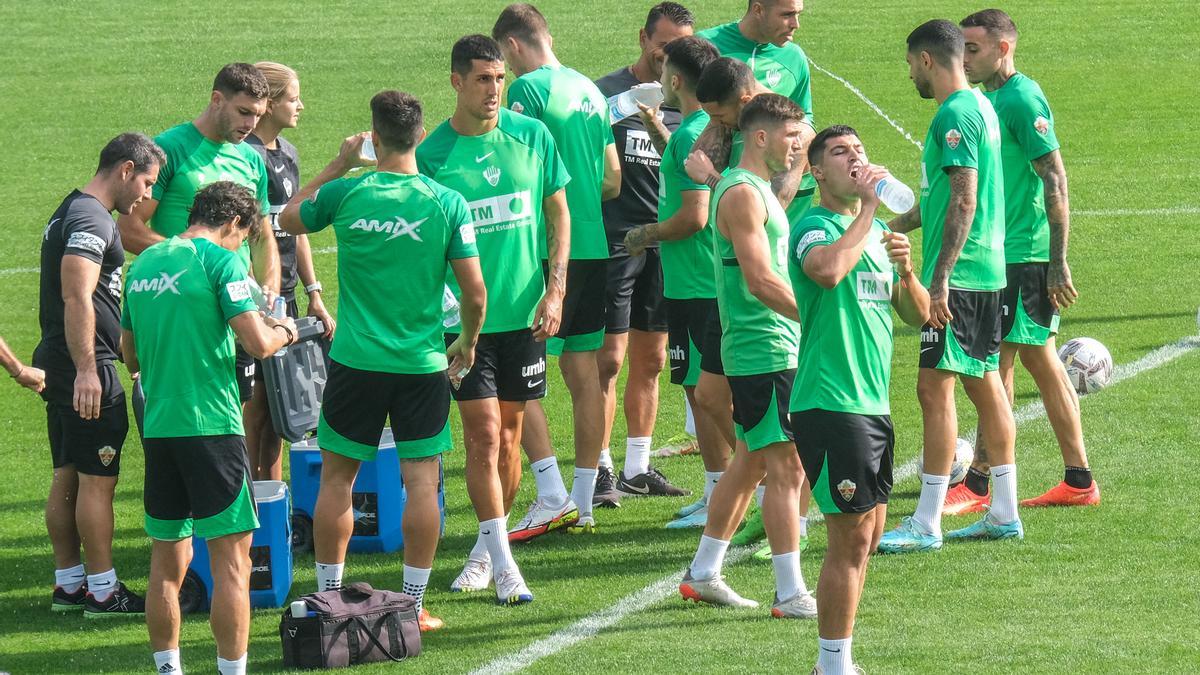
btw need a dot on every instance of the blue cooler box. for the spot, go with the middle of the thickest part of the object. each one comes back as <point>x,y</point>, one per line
<point>270,555</point>
<point>378,497</point>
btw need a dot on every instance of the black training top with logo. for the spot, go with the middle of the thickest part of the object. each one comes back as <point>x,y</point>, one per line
<point>84,227</point>
<point>638,201</point>
<point>283,179</point>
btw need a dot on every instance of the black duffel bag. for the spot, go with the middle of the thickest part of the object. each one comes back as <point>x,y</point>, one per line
<point>353,625</point>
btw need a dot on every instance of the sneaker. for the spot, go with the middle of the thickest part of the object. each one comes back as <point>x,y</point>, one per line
<point>908,538</point>
<point>712,591</point>
<point>585,525</point>
<point>679,444</point>
<point>428,622</point>
<point>752,531</point>
<point>694,519</point>
<point>511,588</point>
<point>799,606</point>
<point>695,506</point>
<point>764,553</point>
<point>540,519</point>
<point>63,601</point>
<point>606,495</point>
<point>855,668</point>
<point>1065,495</point>
<point>961,500</point>
<point>476,576</point>
<point>122,602</point>
<point>987,528</point>
<point>649,484</point>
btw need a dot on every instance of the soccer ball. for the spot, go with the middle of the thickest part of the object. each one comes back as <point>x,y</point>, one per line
<point>964,452</point>
<point>1088,363</point>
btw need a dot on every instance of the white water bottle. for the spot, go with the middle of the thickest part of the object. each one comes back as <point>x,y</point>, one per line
<point>897,196</point>
<point>625,104</point>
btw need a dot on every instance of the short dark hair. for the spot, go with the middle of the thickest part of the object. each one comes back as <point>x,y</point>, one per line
<point>689,56</point>
<point>217,203</point>
<point>397,119</point>
<point>942,39</point>
<point>131,147</point>
<point>723,79</point>
<point>471,48</point>
<point>816,147</point>
<point>241,78</point>
<point>522,21</point>
<point>671,11</point>
<point>769,110</point>
<point>996,22</point>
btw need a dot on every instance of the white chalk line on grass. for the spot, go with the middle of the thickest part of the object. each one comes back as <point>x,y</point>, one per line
<point>1161,212</point>
<point>870,104</point>
<point>662,589</point>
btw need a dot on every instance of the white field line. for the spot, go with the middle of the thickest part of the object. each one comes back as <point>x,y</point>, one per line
<point>325,249</point>
<point>664,588</point>
<point>871,104</point>
<point>20,270</point>
<point>1117,213</point>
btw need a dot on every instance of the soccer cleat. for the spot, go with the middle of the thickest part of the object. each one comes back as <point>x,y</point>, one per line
<point>698,518</point>
<point>475,576</point>
<point>606,495</point>
<point>855,668</point>
<point>695,506</point>
<point>585,525</point>
<point>541,518</point>
<point>679,444</point>
<point>122,602</point>
<point>63,601</point>
<point>752,531</point>
<point>799,606</point>
<point>961,500</point>
<point>428,622</point>
<point>908,538</point>
<point>649,484</point>
<point>1065,495</point>
<point>987,528</point>
<point>713,591</point>
<point>764,553</point>
<point>511,588</point>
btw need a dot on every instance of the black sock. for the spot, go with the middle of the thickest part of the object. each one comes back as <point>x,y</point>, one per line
<point>976,481</point>
<point>1078,477</point>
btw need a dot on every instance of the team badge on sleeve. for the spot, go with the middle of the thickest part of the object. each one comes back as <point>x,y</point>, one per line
<point>86,241</point>
<point>1042,125</point>
<point>847,488</point>
<point>238,290</point>
<point>952,138</point>
<point>809,240</point>
<point>467,233</point>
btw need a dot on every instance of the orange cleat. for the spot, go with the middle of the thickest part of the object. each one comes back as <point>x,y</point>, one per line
<point>1065,495</point>
<point>428,622</point>
<point>960,500</point>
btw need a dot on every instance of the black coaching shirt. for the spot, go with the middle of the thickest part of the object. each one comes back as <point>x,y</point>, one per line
<point>283,179</point>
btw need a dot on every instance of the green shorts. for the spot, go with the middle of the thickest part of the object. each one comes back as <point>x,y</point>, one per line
<point>760,408</point>
<point>197,485</point>
<point>1027,315</point>
<point>970,344</point>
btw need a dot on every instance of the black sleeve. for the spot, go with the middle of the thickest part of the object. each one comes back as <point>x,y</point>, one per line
<point>87,232</point>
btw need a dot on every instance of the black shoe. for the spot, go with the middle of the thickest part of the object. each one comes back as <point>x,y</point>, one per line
<point>649,484</point>
<point>122,602</point>
<point>68,602</point>
<point>606,495</point>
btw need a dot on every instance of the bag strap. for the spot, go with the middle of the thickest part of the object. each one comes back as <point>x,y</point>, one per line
<point>375,640</point>
<point>352,644</point>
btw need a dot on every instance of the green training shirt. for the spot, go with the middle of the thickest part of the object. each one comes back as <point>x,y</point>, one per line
<point>504,174</point>
<point>180,295</point>
<point>687,264</point>
<point>396,234</point>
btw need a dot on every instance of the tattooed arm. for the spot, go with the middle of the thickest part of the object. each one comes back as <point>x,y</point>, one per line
<point>548,315</point>
<point>1058,211</point>
<point>960,213</point>
<point>655,129</point>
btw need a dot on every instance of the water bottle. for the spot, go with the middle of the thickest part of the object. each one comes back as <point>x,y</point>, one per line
<point>897,196</point>
<point>256,294</point>
<point>279,311</point>
<point>367,152</point>
<point>450,315</point>
<point>625,104</point>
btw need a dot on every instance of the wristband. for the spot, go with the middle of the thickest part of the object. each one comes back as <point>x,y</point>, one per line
<point>314,287</point>
<point>288,332</point>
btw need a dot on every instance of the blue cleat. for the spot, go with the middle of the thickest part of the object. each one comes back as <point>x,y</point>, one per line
<point>908,538</point>
<point>987,528</point>
<point>697,518</point>
<point>695,506</point>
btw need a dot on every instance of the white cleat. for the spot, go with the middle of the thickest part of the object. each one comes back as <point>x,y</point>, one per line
<point>511,588</point>
<point>799,606</point>
<point>476,576</point>
<point>713,591</point>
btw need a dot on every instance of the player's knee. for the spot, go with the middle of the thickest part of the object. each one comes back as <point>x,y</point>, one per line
<point>931,393</point>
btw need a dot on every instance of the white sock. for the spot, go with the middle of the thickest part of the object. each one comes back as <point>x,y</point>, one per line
<point>415,581</point>
<point>710,483</point>
<point>1004,493</point>
<point>759,493</point>
<point>788,581</point>
<point>549,480</point>
<point>480,550</point>
<point>637,456</point>
<point>582,490</point>
<point>690,424</point>
<point>70,579</point>
<point>168,662</point>
<point>834,656</point>
<point>606,458</point>
<point>329,576</point>
<point>234,667</point>
<point>102,585</point>
<point>494,534</point>
<point>710,554</point>
<point>803,526</point>
<point>929,507</point>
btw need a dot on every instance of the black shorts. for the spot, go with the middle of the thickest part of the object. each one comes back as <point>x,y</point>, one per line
<point>582,328</point>
<point>687,337</point>
<point>972,345</point>
<point>1027,315</point>
<point>510,366</point>
<point>259,375</point>
<point>710,353</point>
<point>760,405</point>
<point>244,370</point>
<point>93,447</point>
<point>358,403</point>
<point>847,458</point>
<point>634,296</point>
<point>197,485</point>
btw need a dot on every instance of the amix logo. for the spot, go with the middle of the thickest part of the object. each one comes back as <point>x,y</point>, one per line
<point>536,369</point>
<point>584,106</point>
<point>397,228</point>
<point>676,353</point>
<point>165,282</point>
<point>930,335</point>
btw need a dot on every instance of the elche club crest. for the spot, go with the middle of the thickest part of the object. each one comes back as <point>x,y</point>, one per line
<point>847,488</point>
<point>492,175</point>
<point>953,138</point>
<point>774,77</point>
<point>106,454</point>
<point>517,107</point>
<point>1042,125</point>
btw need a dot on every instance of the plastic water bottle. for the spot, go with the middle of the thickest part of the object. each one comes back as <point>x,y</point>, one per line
<point>280,309</point>
<point>625,104</point>
<point>367,152</point>
<point>256,294</point>
<point>450,315</point>
<point>897,196</point>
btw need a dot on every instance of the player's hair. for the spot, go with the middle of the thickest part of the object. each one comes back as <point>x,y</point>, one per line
<point>673,12</point>
<point>397,119</point>
<point>278,78</point>
<point>816,147</point>
<point>723,80</point>
<point>769,110</point>
<point>996,22</point>
<point>241,78</point>
<point>941,39</point>
<point>131,147</point>
<point>689,56</point>
<point>521,21</point>
<point>217,203</point>
<point>471,48</point>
